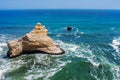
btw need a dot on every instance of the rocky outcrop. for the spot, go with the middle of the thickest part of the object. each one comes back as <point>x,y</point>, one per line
<point>35,41</point>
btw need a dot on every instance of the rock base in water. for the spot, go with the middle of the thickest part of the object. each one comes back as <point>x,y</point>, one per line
<point>34,42</point>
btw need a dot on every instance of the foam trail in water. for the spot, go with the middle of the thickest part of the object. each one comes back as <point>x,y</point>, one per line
<point>48,70</point>
<point>9,66</point>
<point>79,51</point>
<point>45,60</point>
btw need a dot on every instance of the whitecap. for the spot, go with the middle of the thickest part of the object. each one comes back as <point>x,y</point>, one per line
<point>115,44</point>
<point>73,47</point>
<point>3,44</point>
<point>93,62</point>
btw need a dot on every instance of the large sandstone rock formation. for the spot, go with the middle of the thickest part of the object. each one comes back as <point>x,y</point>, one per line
<point>35,41</point>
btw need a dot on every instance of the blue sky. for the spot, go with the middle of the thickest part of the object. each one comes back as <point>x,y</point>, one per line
<point>59,4</point>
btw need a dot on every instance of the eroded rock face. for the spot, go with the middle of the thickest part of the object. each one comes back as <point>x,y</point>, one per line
<point>35,41</point>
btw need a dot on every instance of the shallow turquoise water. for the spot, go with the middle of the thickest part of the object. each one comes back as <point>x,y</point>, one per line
<point>91,48</point>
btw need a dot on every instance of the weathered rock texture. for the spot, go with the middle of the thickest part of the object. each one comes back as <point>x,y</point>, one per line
<point>35,41</point>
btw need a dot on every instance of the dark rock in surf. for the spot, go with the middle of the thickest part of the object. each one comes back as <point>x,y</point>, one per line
<point>69,28</point>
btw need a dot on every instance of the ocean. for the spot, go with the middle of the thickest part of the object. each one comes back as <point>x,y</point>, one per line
<point>92,47</point>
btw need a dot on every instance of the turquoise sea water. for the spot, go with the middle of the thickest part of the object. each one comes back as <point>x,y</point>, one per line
<point>92,48</point>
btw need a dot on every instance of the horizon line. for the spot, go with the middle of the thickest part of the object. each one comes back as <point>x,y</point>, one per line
<point>62,9</point>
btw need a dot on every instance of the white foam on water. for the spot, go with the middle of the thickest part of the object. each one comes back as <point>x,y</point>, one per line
<point>67,47</point>
<point>90,56</point>
<point>93,62</point>
<point>42,73</point>
<point>115,44</point>
<point>9,66</point>
<point>90,59</point>
<point>79,51</point>
<point>45,60</point>
<point>116,72</point>
<point>3,44</point>
<point>3,39</point>
<point>115,69</point>
<point>3,69</point>
<point>47,72</point>
<point>73,47</point>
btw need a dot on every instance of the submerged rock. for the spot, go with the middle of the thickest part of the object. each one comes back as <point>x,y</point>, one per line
<point>35,41</point>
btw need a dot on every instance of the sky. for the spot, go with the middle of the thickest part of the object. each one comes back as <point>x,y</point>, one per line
<point>59,4</point>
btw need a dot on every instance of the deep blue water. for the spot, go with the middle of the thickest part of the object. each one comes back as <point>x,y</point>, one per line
<point>92,47</point>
